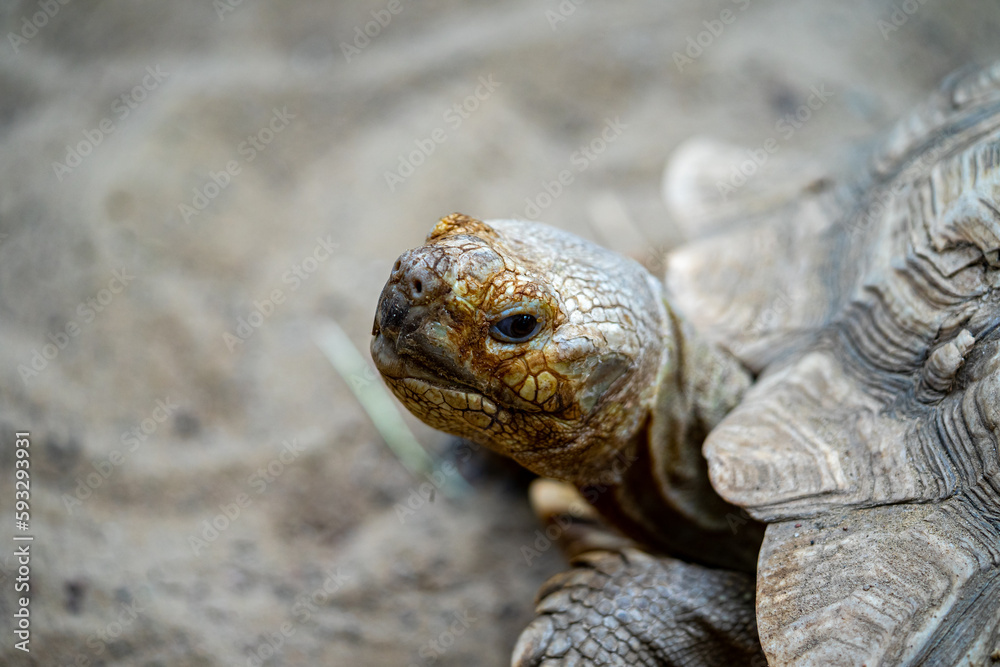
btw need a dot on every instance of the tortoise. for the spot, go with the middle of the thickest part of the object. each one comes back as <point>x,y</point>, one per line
<point>794,433</point>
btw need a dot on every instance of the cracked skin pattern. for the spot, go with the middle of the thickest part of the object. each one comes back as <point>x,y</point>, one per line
<point>609,390</point>
<point>560,404</point>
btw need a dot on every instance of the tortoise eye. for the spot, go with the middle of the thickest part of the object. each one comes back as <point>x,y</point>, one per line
<point>516,328</point>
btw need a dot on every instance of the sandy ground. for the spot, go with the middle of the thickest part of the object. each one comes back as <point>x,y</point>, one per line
<point>190,191</point>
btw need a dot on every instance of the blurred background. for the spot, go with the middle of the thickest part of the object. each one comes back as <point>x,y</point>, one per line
<point>191,191</point>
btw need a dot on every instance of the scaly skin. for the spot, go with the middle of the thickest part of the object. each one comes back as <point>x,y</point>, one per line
<point>563,404</point>
<point>628,608</point>
<point>613,393</point>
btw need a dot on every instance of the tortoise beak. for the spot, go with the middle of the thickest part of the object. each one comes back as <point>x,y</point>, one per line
<point>392,311</point>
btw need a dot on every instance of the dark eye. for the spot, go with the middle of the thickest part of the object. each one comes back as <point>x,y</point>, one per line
<point>516,328</point>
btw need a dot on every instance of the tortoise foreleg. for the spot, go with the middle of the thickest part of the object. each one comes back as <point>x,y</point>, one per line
<point>630,608</point>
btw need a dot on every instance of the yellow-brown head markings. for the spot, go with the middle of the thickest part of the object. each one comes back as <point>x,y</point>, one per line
<point>521,337</point>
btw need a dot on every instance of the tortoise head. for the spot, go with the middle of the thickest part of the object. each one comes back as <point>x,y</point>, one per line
<point>526,339</point>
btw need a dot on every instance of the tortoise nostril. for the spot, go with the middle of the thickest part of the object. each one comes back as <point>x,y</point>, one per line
<point>418,275</point>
